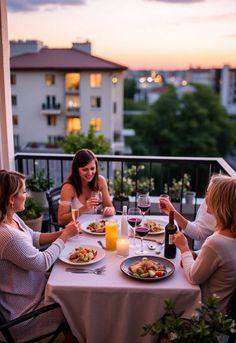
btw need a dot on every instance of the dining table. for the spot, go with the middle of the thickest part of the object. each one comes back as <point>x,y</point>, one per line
<point>113,307</point>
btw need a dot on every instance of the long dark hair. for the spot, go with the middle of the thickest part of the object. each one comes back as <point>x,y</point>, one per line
<point>10,184</point>
<point>80,160</point>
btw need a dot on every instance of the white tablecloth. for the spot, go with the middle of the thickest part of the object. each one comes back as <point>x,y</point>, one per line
<point>114,307</point>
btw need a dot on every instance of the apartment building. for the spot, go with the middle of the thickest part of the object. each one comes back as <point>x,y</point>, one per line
<point>60,91</point>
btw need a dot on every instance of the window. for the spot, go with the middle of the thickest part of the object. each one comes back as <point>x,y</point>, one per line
<point>16,139</point>
<point>15,119</point>
<point>72,103</point>
<point>50,80</point>
<point>13,79</point>
<point>95,80</point>
<point>52,120</point>
<point>53,139</point>
<point>14,100</point>
<point>114,107</point>
<point>73,125</point>
<point>95,101</point>
<point>97,123</point>
<point>51,103</point>
<point>72,81</point>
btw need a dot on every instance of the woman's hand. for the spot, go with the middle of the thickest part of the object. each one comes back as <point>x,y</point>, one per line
<point>71,229</point>
<point>91,203</point>
<point>165,205</point>
<point>181,242</point>
<point>108,211</point>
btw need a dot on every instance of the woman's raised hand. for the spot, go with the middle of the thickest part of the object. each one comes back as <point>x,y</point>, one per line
<point>71,229</point>
<point>165,205</point>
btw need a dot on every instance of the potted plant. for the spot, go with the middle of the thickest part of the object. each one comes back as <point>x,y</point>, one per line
<point>32,214</point>
<point>38,184</point>
<point>178,188</point>
<point>207,325</point>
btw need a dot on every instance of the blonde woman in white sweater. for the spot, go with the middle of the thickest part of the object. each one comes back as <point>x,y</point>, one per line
<point>23,266</point>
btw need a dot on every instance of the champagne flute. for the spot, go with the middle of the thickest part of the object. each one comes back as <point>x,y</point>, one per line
<point>98,196</point>
<point>134,219</point>
<point>143,203</point>
<point>75,213</point>
<point>141,231</point>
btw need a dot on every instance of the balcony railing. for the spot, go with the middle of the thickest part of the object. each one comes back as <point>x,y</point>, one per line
<point>161,169</point>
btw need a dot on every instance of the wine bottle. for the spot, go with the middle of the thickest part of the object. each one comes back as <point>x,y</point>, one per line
<point>124,223</point>
<point>170,230</point>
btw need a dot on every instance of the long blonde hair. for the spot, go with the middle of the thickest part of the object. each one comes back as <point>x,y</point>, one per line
<point>222,201</point>
<point>10,184</point>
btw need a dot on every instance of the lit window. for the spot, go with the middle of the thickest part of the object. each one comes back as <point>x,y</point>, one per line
<point>72,81</point>
<point>14,100</point>
<point>95,101</point>
<point>15,119</point>
<point>72,103</point>
<point>13,79</point>
<point>95,80</point>
<point>73,125</point>
<point>97,123</point>
<point>52,120</point>
<point>49,80</point>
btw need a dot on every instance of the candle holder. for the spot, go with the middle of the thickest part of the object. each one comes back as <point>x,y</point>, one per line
<point>122,246</point>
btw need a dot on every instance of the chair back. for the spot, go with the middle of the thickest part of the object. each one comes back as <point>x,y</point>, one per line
<point>53,196</point>
<point>232,306</point>
<point>5,331</point>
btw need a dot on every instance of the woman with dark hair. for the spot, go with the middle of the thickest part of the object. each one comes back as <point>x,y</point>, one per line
<point>215,266</point>
<point>78,191</point>
<point>23,266</point>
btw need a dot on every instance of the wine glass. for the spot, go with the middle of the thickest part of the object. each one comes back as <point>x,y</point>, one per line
<point>143,203</point>
<point>75,213</point>
<point>98,196</point>
<point>134,219</point>
<point>141,231</point>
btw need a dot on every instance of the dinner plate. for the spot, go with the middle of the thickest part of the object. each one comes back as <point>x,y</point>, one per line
<point>134,259</point>
<point>158,221</point>
<point>85,228</point>
<point>64,257</point>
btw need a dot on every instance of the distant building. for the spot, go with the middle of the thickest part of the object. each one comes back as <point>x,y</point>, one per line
<point>61,91</point>
<point>228,89</point>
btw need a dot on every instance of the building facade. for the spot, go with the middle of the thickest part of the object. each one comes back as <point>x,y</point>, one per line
<point>60,91</point>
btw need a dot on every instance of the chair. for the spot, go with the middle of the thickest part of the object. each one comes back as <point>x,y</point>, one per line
<point>6,325</point>
<point>53,196</point>
<point>232,314</point>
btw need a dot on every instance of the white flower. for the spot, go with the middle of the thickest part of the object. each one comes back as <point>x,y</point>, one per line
<point>173,336</point>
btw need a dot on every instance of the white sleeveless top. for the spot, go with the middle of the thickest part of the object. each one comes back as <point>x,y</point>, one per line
<point>76,203</point>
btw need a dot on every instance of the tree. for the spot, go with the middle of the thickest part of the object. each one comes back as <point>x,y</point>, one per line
<point>194,125</point>
<point>95,142</point>
<point>130,87</point>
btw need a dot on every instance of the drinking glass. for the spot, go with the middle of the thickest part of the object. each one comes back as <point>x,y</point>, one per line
<point>75,213</point>
<point>98,196</point>
<point>161,197</point>
<point>143,203</point>
<point>134,219</point>
<point>141,231</point>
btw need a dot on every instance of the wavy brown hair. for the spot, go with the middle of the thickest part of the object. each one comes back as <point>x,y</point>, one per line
<point>10,184</point>
<point>80,160</point>
<point>222,201</point>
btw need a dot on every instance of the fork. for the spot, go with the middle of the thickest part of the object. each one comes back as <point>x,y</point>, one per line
<point>97,271</point>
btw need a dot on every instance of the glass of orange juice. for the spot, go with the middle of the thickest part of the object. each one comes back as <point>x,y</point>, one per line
<point>111,228</point>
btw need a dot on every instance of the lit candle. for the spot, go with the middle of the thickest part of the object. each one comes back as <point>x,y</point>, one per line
<point>122,246</point>
<point>111,234</point>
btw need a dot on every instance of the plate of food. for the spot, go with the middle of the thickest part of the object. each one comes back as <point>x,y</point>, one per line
<point>96,227</point>
<point>82,255</point>
<point>148,268</point>
<point>156,227</point>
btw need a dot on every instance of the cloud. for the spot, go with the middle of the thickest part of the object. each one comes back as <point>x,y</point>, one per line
<point>187,2</point>
<point>33,5</point>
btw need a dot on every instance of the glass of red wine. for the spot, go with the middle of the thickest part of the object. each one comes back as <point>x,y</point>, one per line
<point>143,203</point>
<point>134,219</point>
<point>98,196</point>
<point>141,231</point>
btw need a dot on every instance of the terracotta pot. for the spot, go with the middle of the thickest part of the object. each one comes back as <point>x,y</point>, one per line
<point>35,224</point>
<point>41,198</point>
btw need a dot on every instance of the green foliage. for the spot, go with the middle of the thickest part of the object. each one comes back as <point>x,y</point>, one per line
<point>130,186</point>
<point>177,187</point>
<point>132,105</point>
<point>129,88</point>
<point>205,326</point>
<point>39,182</point>
<point>32,209</point>
<point>95,142</point>
<point>195,124</point>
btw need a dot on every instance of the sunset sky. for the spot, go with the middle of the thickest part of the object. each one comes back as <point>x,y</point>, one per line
<point>140,34</point>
